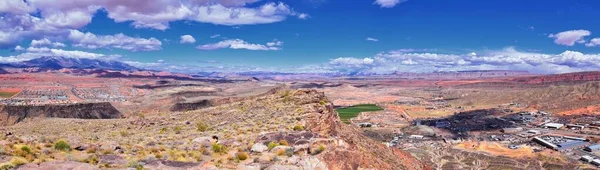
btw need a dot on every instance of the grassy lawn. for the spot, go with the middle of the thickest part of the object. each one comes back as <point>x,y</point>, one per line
<point>7,94</point>
<point>349,112</point>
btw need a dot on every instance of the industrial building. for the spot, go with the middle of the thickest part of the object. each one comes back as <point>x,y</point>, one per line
<point>586,158</point>
<point>596,162</point>
<point>592,148</point>
<point>575,138</point>
<point>571,145</point>
<point>553,125</point>
<point>544,143</point>
<point>512,130</point>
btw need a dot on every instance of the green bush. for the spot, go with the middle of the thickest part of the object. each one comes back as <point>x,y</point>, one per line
<point>201,126</point>
<point>298,128</point>
<point>26,149</point>
<point>272,145</point>
<point>320,149</point>
<point>218,148</point>
<point>62,145</point>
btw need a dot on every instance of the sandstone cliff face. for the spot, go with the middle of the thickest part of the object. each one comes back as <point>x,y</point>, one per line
<point>10,115</point>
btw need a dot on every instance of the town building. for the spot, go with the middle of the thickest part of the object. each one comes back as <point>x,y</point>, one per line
<point>592,148</point>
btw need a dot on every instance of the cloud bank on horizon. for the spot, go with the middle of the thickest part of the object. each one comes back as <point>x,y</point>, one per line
<point>36,28</point>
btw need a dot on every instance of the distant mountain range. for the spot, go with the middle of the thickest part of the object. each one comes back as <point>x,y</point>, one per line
<point>57,63</point>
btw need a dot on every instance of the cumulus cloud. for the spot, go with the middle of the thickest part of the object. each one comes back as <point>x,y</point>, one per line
<point>505,59</point>
<point>35,19</point>
<point>187,39</point>
<point>224,2</point>
<point>15,7</point>
<point>46,42</point>
<point>303,16</point>
<point>388,3</point>
<point>372,39</point>
<point>19,48</point>
<point>569,38</point>
<point>593,42</point>
<point>222,15</point>
<point>120,41</point>
<point>241,44</point>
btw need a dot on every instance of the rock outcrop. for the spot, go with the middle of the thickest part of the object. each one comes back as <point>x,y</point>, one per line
<point>11,114</point>
<point>352,149</point>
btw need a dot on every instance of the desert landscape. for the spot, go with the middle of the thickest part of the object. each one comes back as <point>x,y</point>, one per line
<point>299,85</point>
<point>162,122</point>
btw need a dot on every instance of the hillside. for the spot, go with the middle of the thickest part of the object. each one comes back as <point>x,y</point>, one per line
<point>10,114</point>
<point>288,129</point>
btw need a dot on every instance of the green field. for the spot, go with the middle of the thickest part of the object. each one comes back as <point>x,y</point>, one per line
<point>7,94</point>
<point>347,113</point>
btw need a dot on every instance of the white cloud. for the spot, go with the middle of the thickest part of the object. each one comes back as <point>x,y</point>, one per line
<point>241,44</point>
<point>15,7</point>
<point>120,41</point>
<point>187,39</point>
<point>275,43</point>
<point>569,38</point>
<point>303,16</point>
<point>593,42</point>
<point>505,59</point>
<point>19,48</point>
<point>34,19</point>
<point>388,3</point>
<point>224,2</point>
<point>221,15</point>
<point>215,36</point>
<point>372,39</point>
<point>46,42</point>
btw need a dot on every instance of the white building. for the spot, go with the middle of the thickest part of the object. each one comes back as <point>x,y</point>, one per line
<point>553,125</point>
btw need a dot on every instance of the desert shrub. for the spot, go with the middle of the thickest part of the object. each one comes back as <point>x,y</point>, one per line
<point>162,130</point>
<point>177,129</point>
<point>298,128</point>
<point>22,150</point>
<point>201,126</point>
<point>322,102</point>
<point>92,149</point>
<point>218,148</point>
<point>17,161</point>
<point>92,159</point>
<point>62,145</point>
<point>272,145</point>
<point>242,156</point>
<point>319,149</point>
<point>284,142</point>
<point>6,166</point>
<point>124,133</point>
<point>289,152</point>
<point>135,164</point>
<point>280,152</point>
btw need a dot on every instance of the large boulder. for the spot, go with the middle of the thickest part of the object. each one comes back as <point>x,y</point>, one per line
<point>259,147</point>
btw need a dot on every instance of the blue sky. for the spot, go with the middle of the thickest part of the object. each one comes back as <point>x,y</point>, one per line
<point>313,35</point>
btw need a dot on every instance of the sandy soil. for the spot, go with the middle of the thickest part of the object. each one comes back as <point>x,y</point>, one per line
<point>497,149</point>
